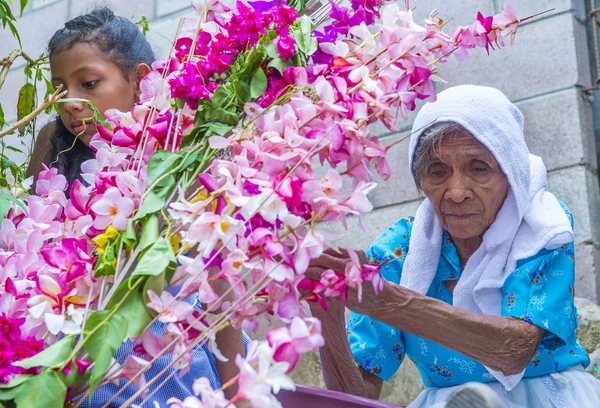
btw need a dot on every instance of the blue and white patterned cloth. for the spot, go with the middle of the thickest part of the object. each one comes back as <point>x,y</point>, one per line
<point>203,365</point>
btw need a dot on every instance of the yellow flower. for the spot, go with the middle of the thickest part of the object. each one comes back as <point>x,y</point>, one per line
<point>103,239</point>
<point>175,241</point>
<point>201,196</point>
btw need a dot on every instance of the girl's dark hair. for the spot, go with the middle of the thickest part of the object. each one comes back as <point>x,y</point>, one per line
<point>123,43</point>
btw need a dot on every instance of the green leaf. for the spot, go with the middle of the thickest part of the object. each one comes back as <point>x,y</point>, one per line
<point>189,160</point>
<point>28,72</point>
<point>4,207</point>
<point>14,149</point>
<point>42,391</point>
<point>252,61</point>
<point>8,394</point>
<point>303,36</point>
<point>165,187</point>
<point>54,356</point>
<point>104,342</point>
<point>26,101</point>
<point>221,96</point>
<point>130,235</point>
<point>143,23</point>
<point>107,262</point>
<point>258,85</point>
<point>2,120</point>
<point>220,129</point>
<point>7,162</point>
<point>313,46</point>
<point>272,51</point>
<point>151,204</point>
<point>160,163</point>
<point>15,381</point>
<point>149,232</point>
<point>279,64</point>
<point>242,91</point>
<point>121,291</point>
<point>158,257</point>
<point>5,200</point>
<point>23,5</point>
<point>224,116</point>
<point>191,137</point>
<point>306,27</point>
<point>134,311</point>
<point>49,91</point>
<point>270,36</point>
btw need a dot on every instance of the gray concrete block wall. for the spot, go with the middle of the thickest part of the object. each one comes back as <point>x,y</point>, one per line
<point>543,73</point>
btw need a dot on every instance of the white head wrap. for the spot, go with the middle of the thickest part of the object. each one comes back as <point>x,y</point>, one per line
<point>529,220</point>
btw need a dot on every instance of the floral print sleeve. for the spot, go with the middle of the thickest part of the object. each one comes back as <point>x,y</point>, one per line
<point>541,291</point>
<point>377,347</point>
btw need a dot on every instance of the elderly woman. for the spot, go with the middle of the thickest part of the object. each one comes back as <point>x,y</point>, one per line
<point>479,284</point>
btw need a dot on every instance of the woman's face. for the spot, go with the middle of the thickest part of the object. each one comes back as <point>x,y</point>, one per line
<point>465,184</point>
<point>86,72</point>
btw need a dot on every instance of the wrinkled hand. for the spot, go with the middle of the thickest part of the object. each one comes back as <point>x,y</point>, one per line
<point>337,261</point>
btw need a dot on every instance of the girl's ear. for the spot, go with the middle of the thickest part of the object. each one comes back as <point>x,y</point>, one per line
<point>141,71</point>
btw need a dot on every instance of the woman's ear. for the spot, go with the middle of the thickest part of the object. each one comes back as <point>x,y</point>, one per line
<point>141,71</point>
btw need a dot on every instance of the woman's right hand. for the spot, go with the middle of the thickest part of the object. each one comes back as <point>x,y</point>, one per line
<point>335,307</point>
<point>337,261</point>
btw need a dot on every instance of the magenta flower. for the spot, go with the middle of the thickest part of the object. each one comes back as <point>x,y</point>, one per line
<point>313,292</point>
<point>286,45</point>
<point>15,347</point>
<point>70,256</point>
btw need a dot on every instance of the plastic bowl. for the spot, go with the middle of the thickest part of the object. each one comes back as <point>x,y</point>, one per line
<point>311,397</point>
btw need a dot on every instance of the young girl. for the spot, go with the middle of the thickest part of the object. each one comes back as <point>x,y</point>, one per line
<point>102,58</point>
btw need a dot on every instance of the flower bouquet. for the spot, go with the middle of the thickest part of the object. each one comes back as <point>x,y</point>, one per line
<point>250,142</point>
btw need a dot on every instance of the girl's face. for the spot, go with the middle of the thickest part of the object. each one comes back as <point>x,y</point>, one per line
<point>87,73</point>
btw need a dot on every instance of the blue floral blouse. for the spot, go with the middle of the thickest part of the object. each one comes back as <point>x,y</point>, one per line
<point>539,291</point>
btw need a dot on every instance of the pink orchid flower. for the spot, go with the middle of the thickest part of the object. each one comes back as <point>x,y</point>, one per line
<point>70,256</point>
<point>290,343</point>
<point>131,367</point>
<point>508,21</point>
<point>258,384</point>
<point>112,209</point>
<point>169,309</point>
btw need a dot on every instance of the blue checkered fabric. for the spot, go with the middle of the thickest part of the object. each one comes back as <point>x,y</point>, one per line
<point>203,365</point>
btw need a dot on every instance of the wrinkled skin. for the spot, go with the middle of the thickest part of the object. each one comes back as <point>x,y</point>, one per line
<point>467,188</point>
